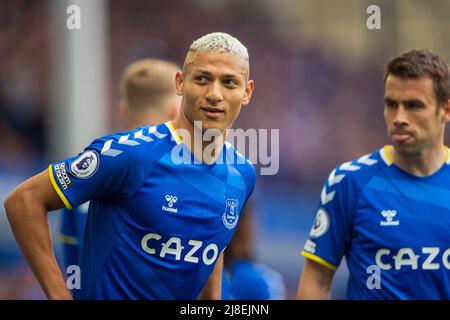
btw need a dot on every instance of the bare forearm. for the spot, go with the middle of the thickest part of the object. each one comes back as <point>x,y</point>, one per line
<point>29,223</point>
<point>312,291</point>
<point>315,282</point>
<point>211,291</point>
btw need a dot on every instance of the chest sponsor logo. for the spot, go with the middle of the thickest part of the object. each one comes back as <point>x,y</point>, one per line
<point>230,216</point>
<point>191,251</point>
<point>389,215</point>
<point>425,258</point>
<point>171,200</point>
<point>86,165</point>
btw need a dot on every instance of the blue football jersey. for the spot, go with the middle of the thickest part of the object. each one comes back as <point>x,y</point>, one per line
<point>392,227</point>
<point>71,233</point>
<point>158,219</point>
<point>248,280</point>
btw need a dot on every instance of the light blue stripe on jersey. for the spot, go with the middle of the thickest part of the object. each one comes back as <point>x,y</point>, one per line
<point>433,195</point>
<point>234,178</point>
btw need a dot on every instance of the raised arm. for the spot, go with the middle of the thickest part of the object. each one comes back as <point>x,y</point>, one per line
<point>26,208</point>
<point>315,281</point>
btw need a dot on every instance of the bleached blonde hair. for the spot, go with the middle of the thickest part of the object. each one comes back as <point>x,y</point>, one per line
<point>220,42</point>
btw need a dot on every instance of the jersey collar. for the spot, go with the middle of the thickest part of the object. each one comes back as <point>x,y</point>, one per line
<point>387,158</point>
<point>385,155</point>
<point>447,157</point>
<point>173,131</point>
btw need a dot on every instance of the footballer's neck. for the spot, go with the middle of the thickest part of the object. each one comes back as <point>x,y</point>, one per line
<point>204,147</point>
<point>132,124</point>
<point>420,164</point>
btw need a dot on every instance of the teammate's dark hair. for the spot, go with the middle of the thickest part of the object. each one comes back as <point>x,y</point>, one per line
<point>416,64</point>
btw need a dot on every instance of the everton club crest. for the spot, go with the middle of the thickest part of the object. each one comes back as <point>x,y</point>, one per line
<point>230,216</point>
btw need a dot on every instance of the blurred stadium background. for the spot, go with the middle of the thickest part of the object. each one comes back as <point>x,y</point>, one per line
<point>318,73</point>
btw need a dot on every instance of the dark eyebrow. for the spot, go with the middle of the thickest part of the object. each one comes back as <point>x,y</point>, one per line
<point>387,100</point>
<point>414,103</point>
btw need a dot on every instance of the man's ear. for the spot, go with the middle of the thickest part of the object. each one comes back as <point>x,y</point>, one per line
<point>174,108</point>
<point>446,108</point>
<point>248,92</point>
<point>179,83</point>
<point>123,112</point>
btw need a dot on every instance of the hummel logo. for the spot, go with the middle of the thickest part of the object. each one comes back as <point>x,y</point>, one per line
<point>389,216</point>
<point>171,200</point>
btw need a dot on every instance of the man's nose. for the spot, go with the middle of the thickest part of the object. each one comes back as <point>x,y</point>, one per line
<point>214,94</point>
<point>401,117</point>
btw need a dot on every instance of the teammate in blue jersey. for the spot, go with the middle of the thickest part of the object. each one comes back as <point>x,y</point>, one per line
<point>148,96</point>
<point>244,278</point>
<point>388,212</point>
<point>161,209</point>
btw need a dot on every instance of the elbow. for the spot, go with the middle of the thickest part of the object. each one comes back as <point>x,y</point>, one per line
<point>16,201</point>
<point>9,203</point>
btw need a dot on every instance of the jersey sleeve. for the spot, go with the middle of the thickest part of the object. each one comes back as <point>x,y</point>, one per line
<point>331,232</point>
<point>105,168</point>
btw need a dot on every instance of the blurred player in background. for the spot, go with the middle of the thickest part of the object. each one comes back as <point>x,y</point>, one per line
<point>156,227</point>
<point>388,212</point>
<point>148,96</point>
<point>244,278</point>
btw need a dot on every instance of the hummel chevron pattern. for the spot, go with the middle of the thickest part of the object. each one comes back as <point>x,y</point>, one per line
<point>334,179</point>
<point>140,135</point>
<point>124,140</point>
<point>348,166</point>
<point>366,160</point>
<point>107,150</point>
<point>152,130</point>
<point>326,197</point>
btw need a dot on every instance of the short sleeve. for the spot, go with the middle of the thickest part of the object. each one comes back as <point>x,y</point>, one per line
<point>331,232</point>
<point>103,169</point>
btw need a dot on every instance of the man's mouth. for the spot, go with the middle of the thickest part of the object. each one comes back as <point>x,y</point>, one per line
<point>212,113</point>
<point>400,137</point>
